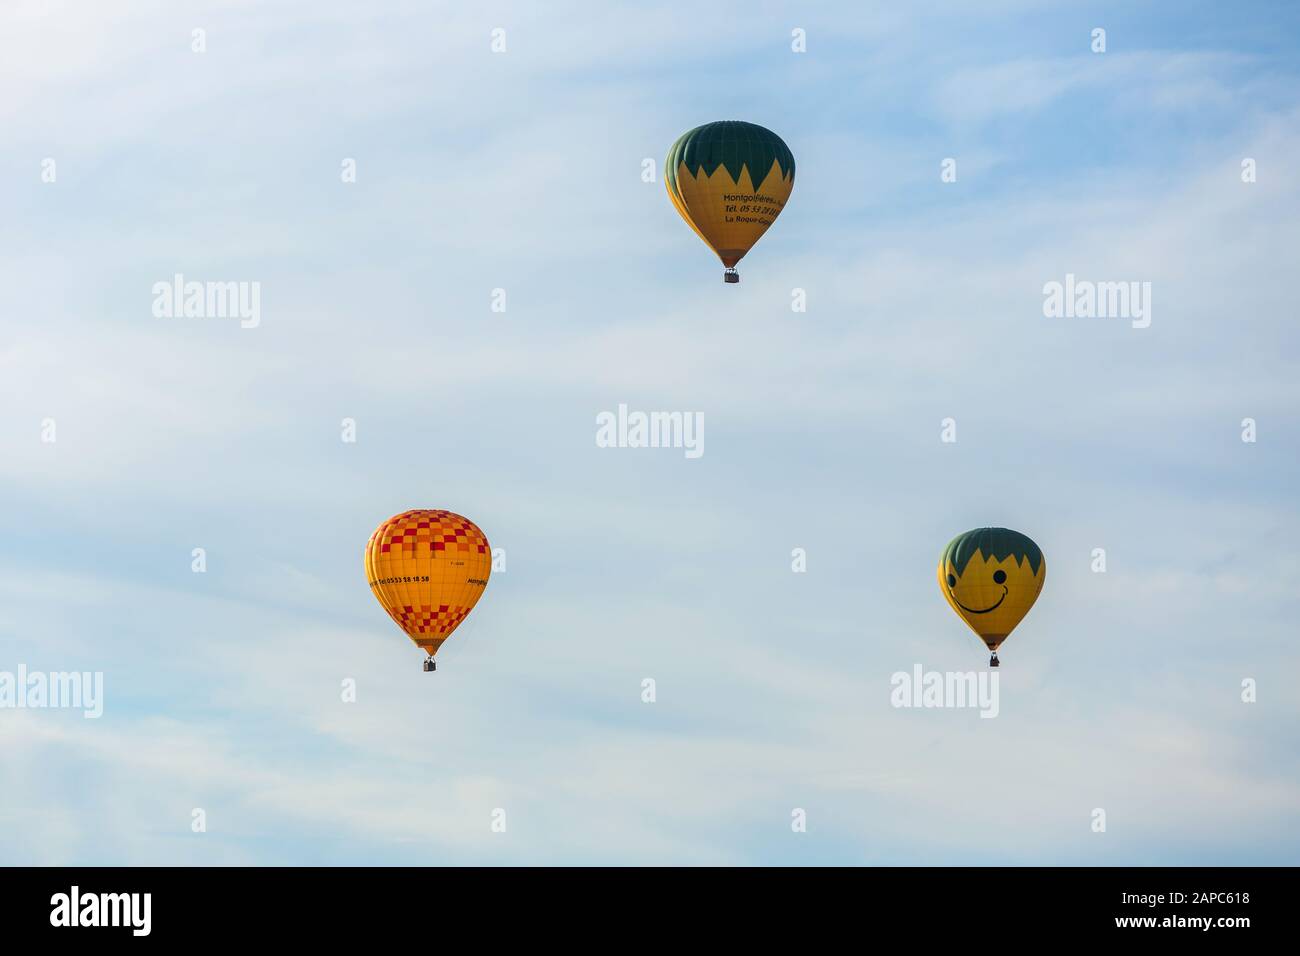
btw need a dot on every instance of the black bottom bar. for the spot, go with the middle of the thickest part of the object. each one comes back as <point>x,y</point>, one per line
<point>331,906</point>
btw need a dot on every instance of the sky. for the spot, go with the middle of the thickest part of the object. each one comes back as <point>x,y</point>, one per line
<point>522,170</point>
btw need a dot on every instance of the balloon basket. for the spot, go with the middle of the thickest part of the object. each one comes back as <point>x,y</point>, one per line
<point>731,275</point>
<point>429,665</point>
<point>993,661</point>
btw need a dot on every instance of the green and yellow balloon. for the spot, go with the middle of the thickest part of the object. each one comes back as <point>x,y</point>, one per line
<point>991,577</point>
<point>729,181</point>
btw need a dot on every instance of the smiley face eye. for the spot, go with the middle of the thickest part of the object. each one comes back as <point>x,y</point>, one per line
<point>952,581</point>
<point>999,576</point>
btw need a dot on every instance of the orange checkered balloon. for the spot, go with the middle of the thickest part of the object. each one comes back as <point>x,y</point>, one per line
<point>428,569</point>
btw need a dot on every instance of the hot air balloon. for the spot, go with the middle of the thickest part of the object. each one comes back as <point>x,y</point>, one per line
<point>729,181</point>
<point>428,569</point>
<point>991,577</point>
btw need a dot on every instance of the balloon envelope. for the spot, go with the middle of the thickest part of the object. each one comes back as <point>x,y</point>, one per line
<point>729,181</point>
<point>428,569</point>
<point>991,577</point>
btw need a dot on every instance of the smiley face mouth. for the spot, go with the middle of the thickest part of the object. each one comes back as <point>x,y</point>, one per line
<point>971,610</point>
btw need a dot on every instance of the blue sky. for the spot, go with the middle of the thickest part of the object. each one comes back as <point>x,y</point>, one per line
<point>521,171</point>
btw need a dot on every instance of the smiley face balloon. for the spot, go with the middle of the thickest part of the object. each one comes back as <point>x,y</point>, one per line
<point>991,577</point>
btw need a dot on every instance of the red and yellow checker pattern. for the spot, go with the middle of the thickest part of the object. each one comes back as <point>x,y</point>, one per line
<point>428,569</point>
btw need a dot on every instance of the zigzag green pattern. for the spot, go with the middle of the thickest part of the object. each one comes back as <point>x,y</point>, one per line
<point>733,145</point>
<point>996,543</point>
